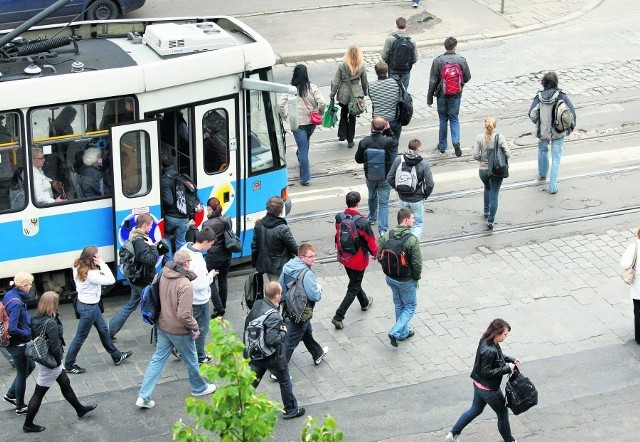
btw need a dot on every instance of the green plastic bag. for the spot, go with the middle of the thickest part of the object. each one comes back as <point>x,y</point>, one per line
<point>330,116</point>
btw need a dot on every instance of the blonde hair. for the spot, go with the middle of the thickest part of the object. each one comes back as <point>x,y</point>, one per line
<point>48,304</point>
<point>354,59</point>
<point>489,127</point>
<point>22,279</point>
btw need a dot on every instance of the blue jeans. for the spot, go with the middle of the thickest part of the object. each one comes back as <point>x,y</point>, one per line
<point>379,203</point>
<point>187,348</point>
<point>301,332</point>
<point>354,289</point>
<point>201,315</point>
<point>404,299</point>
<point>495,399</point>
<point>24,367</point>
<point>302,136</point>
<point>286,387</point>
<point>178,228</point>
<point>90,315</point>
<point>491,189</point>
<point>448,110</point>
<point>543,161</point>
<point>125,311</point>
<point>418,212</point>
<point>404,77</point>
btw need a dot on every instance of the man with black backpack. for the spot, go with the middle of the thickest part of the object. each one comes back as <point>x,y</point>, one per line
<point>385,95</point>
<point>449,73</point>
<point>354,241</point>
<point>400,53</point>
<point>377,153</point>
<point>411,176</point>
<point>401,260</point>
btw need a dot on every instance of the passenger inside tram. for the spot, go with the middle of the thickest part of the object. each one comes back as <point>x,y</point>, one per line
<point>43,186</point>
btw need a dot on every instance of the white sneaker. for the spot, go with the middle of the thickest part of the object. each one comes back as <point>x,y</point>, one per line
<point>325,350</point>
<point>451,438</point>
<point>145,404</point>
<point>210,389</point>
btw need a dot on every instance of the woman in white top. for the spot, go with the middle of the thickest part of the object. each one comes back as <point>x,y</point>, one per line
<point>484,143</point>
<point>90,273</point>
<point>626,261</point>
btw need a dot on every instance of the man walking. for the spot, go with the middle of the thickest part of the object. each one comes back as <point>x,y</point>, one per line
<point>273,243</point>
<point>400,52</point>
<point>449,73</point>
<point>176,328</point>
<point>410,175</point>
<point>399,254</point>
<point>385,95</point>
<point>146,254</point>
<point>354,263</point>
<point>550,129</point>
<point>201,287</point>
<point>377,152</point>
<point>274,337</point>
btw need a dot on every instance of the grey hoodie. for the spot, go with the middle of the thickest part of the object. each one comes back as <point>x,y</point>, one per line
<point>423,173</point>
<point>541,113</point>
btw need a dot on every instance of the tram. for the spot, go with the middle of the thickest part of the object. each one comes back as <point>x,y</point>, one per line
<point>126,90</point>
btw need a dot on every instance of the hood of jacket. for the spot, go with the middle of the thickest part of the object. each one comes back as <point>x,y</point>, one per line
<point>294,267</point>
<point>137,233</point>
<point>549,95</point>
<point>412,157</point>
<point>270,221</point>
<point>172,270</point>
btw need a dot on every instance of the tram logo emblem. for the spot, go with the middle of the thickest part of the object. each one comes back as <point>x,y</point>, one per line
<point>30,227</point>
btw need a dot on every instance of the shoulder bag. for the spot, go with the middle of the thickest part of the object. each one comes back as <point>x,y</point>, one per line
<point>520,393</point>
<point>498,163</point>
<point>629,273</point>
<point>38,350</point>
<point>314,117</point>
<point>231,241</point>
<point>356,105</point>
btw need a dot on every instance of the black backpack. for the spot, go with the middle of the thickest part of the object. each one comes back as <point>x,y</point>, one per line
<point>401,54</point>
<point>185,194</point>
<point>256,348</point>
<point>253,289</point>
<point>520,392</point>
<point>348,242</point>
<point>394,257</point>
<point>404,108</point>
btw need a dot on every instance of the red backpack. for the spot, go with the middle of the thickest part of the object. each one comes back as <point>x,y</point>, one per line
<point>4,324</point>
<point>451,79</point>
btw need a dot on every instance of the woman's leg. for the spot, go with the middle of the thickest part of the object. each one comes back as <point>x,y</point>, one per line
<point>302,140</point>
<point>484,177</point>
<point>351,129</point>
<point>636,318</point>
<point>342,124</point>
<point>70,395</point>
<point>496,401</point>
<point>495,183</point>
<point>477,406</point>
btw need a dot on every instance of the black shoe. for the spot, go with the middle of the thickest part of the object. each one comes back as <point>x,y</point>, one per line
<point>86,408</point>
<point>113,339</point>
<point>293,414</point>
<point>411,334</point>
<point>11,400</point>
<point>338,324</point>
<point>75,369</point>
<point>33,428</point>
<point>22,410</point>
<point>124,355</point>
<point>217,313</point>
<point>456,147</point>
<point>366,307</point>
<point>490,226</point>
<point>486,215</point>
<point>304,183</point>
<point>350,145</point>
<point>393,340</point>
<point>341,138</point>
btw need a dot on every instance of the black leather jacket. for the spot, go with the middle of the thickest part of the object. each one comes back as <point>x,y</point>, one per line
<point>51,329</point>
<point>274,335</point>
<point>490,365</point>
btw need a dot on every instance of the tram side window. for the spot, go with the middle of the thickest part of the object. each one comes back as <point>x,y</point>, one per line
<point>12,176</point>
<point>135,155</point>
<point>215,141</point>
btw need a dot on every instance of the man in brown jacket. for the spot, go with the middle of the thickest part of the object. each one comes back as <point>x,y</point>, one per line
<point>176,328</point>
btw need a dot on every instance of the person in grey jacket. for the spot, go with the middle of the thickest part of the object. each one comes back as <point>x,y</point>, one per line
<point>541,113</point>
<point>448,105</point>
<point>413,198</point>
<point>399,73</point>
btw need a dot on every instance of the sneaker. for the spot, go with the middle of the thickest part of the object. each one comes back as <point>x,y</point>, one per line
<point>75,369</point>
<point>22,410</point>
<point>440,150</point>
<point>350,146</point>
<point>365,308</point>
<point>304,183</point>
<point>338,324</point>
<point>210,389</point>
<point>206,360</point>
<point>393,340</point>
<point>325,350</point>
<point>451,438</point>
<point>33,428</point>
<point>486,215</point>
<point>456,147</point>
<point>11,400</point>
<point>293,414</point>
<point>415,5</point>
<point>411,334</point>
<point>372,222</point>
<point>274,378</point>
<point>490,226</point>
<point>114,339</point>
<point>176,353</point>
<point>145,404</point>
<point>541,178</point>
<point>124,355</point>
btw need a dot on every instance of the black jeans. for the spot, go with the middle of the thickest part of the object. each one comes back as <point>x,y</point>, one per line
<point>286,386</point>
<point>353,289</point>
<point>301,332</point>
<point>347,124</point>
<point>219,292</point>
<point>636,318</point>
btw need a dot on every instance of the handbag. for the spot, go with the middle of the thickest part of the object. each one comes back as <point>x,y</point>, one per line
<point>356,105</point>
<point>520,393</point>
<point>314,117</point>
<point>498,163</point>
<point>629,273</point>
<point>330,117</point>
<point>231,241</point>
<point>38,350</point>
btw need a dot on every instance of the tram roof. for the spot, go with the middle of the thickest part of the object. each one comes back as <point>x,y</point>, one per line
<point>125,57</point>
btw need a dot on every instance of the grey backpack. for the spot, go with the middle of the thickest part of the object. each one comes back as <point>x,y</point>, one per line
<point>255,346</point>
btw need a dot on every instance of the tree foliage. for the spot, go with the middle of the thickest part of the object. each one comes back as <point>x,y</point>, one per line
<point>326,433</point>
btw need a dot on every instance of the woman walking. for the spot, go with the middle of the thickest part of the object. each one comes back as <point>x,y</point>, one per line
<point>90,273</point>
<point>629,258</point>
<point>309,100</point>
<point>488,369</point>
<point>15,303</point>
<point>351,72</point>
<point>47,324</point>
<point>218,257</point>
<point>484,144</point>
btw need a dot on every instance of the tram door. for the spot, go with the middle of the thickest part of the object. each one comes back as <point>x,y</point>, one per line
<point>136,183</point>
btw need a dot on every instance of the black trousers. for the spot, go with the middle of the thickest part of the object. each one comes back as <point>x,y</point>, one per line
<point>636,318</point>
<point>354,289</point>
<point>347,124</point>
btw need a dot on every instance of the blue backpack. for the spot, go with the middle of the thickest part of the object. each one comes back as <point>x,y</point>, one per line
<point>150,301</point>
<point>374,159</point>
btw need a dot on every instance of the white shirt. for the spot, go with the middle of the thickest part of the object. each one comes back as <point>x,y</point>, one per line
<point>90,289</point>
<point>42,187</point>
<point>202,284</point>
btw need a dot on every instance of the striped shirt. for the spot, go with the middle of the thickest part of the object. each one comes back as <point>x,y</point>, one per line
<point>384,96</point>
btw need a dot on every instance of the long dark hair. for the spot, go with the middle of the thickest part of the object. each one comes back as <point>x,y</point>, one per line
<point>496,328</point>
<point>300,80</point>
